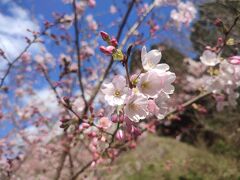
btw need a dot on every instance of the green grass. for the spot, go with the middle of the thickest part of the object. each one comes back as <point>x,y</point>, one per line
<point>167,159</point>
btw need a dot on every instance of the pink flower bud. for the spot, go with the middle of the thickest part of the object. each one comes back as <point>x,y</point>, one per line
<point>114,118</point>
<point>220,41</point>
<point>64,120</point>
<point>132,145</point>
<point>85,125</point>
<point>92,134</point>
<point>234,60</point>
<point>136,131</point>
<point>114,42</point>
<point>105,36</point>
<point>121,118</point>
<point>218,22</point>
<point>120,135</point>
<point>107,50</point>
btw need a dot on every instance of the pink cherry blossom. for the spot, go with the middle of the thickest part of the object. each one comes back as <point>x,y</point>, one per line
<point>103,123</point>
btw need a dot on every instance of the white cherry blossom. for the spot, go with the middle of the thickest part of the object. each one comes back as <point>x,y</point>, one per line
<point>136,107</point>
<point>210,58</point>
<point>115,92</point>
<point>151,59</point>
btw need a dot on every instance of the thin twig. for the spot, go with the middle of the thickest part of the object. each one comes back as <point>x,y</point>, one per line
<point>10,64</point>
<point>137,24</point>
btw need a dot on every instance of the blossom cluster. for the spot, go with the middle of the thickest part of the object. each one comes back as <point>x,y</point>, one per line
<point>150,91</point>
<point>225,77</point>
<point>184,14</point>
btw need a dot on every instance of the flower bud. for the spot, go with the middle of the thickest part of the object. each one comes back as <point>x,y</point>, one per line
<point>218,22</point>
<point>121,118</point>
<point>136,131</point>
<point>64,120</point>
<point>107,50</point>
<point>120,135</point>
<point>85,125</point>
<point>114,118</point>
<point>234,60</point>
<point>114,42</point>
<point>105,36</point>
<point>66,99</point>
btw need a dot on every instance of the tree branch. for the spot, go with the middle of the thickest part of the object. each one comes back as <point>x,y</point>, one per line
<point>77,45</point>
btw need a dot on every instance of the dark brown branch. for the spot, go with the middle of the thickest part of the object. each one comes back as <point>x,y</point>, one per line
<point>60,166</point>
<point>77,45</point>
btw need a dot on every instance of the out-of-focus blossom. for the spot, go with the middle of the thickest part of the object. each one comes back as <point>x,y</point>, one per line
<point>113,9</point>
<point>166,2</point>
<point>78,105</point>
<point>26,57</point>
<point>92,24</point>
<point>103,123</point>
<point>210,58</point>
<point>184,14</point>
<point>67,21</point>
<point>92,3</point>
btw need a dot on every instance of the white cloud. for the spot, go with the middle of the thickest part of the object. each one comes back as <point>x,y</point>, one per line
<point>45,100</point>
<point>14,23</point>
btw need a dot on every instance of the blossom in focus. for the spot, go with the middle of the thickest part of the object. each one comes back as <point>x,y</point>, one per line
<point>162,104</point>
<point>210,58</point>
<point>151,59</point>
<point>116,91</point>
<point>166,80</point>
<point>150,83</point>
<point>136,107</point>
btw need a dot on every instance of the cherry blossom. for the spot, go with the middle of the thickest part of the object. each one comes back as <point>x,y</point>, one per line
<point>116,91</point>
<point>136,107</point>
<point>209,58</point>
<point>184,14</point>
